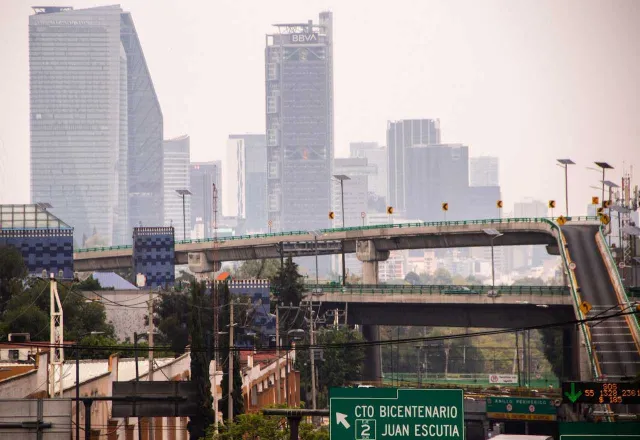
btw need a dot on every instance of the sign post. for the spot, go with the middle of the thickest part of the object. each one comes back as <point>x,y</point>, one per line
<point>379,413</point>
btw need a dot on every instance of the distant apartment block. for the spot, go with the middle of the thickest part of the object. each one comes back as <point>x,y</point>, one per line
<point>202,177</point>
<point>483,171</point>
<point>177,166</point>
<point>376,158</point>
<point>299,121</point>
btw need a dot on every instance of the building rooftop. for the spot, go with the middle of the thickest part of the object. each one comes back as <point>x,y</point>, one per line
<point>34,216</point>
<point>112,280</point>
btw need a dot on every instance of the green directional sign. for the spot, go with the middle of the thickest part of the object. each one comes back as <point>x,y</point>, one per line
<point>521,408</point>
<point>380,413</point>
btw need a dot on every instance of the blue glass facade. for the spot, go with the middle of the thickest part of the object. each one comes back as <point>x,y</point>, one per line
<point>154,255</point>
<point>263,323</point>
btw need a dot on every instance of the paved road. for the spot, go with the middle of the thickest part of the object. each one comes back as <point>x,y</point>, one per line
<point>614,345</point>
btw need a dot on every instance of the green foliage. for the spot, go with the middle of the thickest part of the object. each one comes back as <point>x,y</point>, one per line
<point>258,426</point>
<point>288,288</point>
<point>553,350</point>
<point>200,361</point>
<point>257,269</point>
<point>90,284</point>
<point>309,432</point>
<point>12,274</point>
<point>442,277</point>
<point>412,278</point>
<point>529,281</point>
<point>172,318</point>
<point>341,365</point>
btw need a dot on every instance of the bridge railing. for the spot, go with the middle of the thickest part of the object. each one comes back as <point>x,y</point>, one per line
<point>450,289</point>
<point>586,334</point>
<point>357,228</point>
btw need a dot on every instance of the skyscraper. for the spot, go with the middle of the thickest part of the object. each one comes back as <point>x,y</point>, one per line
<point>177,208</point>
<point>246,180</point>
<point>96,125</point>
<point>355,190</point>
<point>400,136</point>
<point>78,97</point>
<point>376,158</point>
<point>483,171</point>
<point>203,175</point>
<point>299,120</point>
<point>436,174</point>
<point>145,133</point>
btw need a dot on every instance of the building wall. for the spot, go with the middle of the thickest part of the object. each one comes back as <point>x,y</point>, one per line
<point>355,190</point>
<point>77,144</point>
<point>176,177</point>
<point>49,250</point>
<point>154,255</point>
<point>484,171</point>
<point>299,121</point>
<point>202,176</point>
<point>376,158</point>
<point>400,136</point>
<point>144,189</point>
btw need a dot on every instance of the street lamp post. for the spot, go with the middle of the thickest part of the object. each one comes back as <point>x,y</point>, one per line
<point>565,163</point>
<point>342,178</point>
<point>604,166</point>
<point>493,234</point>
<point>184,192</point>
<point>78,380</point>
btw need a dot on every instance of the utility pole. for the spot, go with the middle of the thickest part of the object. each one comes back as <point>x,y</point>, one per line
<point>312,353</point>
<point>150,375</point>
<point>215,297</point>
<point>231,355</point>
<point>278,395</point>
<point>56,332</point>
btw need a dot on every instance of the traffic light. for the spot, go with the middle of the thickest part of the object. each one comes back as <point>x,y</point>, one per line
<point>332,215</point>
<point>389,210</point>
<point>445,206</point>
<point>499,204</point>
<point>552,204</point>
<point>606,203</point>
<point>595,200</point>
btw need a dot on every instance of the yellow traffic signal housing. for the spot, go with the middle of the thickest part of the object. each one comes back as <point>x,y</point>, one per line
<point>499,204</point>
<point>445,206</point>
<point>552,204</point>
<point>332,215</point>
<point>389,210</point>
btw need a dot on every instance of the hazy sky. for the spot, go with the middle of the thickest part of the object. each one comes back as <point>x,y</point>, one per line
<point>527,81</point>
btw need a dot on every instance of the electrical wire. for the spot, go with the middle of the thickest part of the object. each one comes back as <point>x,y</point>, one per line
<point>357,344</point>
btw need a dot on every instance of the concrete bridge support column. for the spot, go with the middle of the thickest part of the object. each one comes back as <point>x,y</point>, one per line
<point>201,266</point>
<point>367,253</point>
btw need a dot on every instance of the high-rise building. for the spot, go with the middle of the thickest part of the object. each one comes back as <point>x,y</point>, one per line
<point>78,97</point>
<point>177,207</point>
<point>377,158</point>
<point>355,190</point>
<point>245,180</point>
<point>299,120</point>
<point>96,125</point>
<point>145,133</point>
<point>483,171</point>
<point>400,136</point>
<point>437,174</point>
<point>203,175</point>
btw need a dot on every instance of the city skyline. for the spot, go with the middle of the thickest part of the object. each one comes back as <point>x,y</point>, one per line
<point>558,102</point>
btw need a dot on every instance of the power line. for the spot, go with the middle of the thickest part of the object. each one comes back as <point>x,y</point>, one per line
<point>302,347</point>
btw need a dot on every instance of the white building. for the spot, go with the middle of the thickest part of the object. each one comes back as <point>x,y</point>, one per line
<point>377,159</point>
<point>176,177</point>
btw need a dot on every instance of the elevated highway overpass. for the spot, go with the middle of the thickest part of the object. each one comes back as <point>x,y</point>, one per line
<point>369,241</point>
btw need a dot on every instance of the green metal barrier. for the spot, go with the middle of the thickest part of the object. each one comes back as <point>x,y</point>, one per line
<point>408,289</point>
<point>574,293</point>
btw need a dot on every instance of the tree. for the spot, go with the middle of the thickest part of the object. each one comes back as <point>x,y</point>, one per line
<point>553,350</point>
<point>288,290</point>
<point>172,320</point>
<point>412,278</point>
<point>342,363</point>
<point>257,269</point>
<point>442,277</point>
<point>200,361</point>
<point>12,273</point>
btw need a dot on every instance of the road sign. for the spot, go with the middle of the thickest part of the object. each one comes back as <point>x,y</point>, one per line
<point>187,390</point>
<point>595,200</point>
<point>499,204</point>
<point>521,408</point>
<point>599,431</point>
<point>332,215</point>
<point>363,214</point>
<point>585,307</point>
<point>561,220</point>
<point>389,210</point>
<point>625,393</point>
<point>605,219</point>
<point>445,206</point>
<point>503,378</point>
<point>552,204</point>
<point>378,413</point>
<point>606,203</point>
<point>572,266</point>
